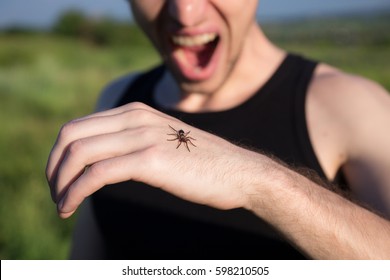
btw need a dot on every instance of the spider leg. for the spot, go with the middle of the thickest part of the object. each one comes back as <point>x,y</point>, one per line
<point>174,134</point>
<point>187,146</point>
<point>188,132</point>
<point>173,139</point>
<point>172,128</point>
<point>188,137</point>
<point>188,140</point>
<point>179,144</point>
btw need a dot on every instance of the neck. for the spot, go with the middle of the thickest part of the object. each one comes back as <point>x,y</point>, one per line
<point>258,61</point>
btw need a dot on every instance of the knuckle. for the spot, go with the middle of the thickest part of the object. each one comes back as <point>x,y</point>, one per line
<point>146,133</point>
<point>140,115</point>
<point>67,130</point>
<point>48,173</point>
<point>135,105</point>
<point>138,104</point>
<point>154,157</point>
<point>96,171</point>
<point>76,147</point>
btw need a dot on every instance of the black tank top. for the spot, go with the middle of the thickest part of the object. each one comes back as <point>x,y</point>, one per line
<point>141,222</point>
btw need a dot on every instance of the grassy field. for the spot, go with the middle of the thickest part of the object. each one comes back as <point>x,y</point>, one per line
<point>46,81</point>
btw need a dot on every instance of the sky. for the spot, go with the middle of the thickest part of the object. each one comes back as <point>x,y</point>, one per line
<point>43,13</point>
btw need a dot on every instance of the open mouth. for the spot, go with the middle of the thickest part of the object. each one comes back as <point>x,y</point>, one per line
<point>195,55</point>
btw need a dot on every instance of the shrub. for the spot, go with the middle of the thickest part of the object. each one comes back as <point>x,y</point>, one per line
<point>102,31</point>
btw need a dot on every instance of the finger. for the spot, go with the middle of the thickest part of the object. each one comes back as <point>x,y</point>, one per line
<point>70,132</point>
<point>83,128</point>
<point>110,171</point>
<point>124,108</point>
<point>85,152</point>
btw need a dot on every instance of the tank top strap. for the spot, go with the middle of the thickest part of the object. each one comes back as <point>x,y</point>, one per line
<point>306,71</point>
<point>287,89</point>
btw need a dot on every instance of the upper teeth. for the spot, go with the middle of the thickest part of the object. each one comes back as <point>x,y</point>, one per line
<point>197,40</point>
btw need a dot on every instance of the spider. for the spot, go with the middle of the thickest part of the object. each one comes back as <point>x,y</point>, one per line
<point>182,137</point>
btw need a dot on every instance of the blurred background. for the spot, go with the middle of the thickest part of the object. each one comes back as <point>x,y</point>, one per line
<point>56,56</point>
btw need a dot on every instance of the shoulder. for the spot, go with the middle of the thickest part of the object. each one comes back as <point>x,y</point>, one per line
<point>328,80</point>
<point>112,92</point>
<point>355,113</point>
<point>346,96</point>
<point>343,112</point>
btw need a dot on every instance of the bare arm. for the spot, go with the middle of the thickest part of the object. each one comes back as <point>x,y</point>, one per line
<point>319,222</point>
<point>348,120</point>
<point>112,144</point>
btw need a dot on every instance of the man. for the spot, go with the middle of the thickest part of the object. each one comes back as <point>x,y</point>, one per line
<point>177,191</point>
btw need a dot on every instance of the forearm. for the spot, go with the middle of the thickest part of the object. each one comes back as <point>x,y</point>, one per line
<point>113,143</point>
<point>321,223</point>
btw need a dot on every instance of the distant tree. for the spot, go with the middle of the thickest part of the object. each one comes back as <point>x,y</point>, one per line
<point>100,31</point>
<point>18,30</point>
<point>71,23</point>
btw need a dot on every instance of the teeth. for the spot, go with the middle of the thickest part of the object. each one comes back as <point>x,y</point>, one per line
<point>197,40</point>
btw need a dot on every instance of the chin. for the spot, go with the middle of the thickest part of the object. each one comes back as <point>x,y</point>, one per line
<point>207,87</point>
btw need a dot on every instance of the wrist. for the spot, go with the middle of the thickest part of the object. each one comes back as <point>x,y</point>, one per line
<point>269,186</point>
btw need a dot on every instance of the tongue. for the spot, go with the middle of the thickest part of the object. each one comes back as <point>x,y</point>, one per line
<point>199,56</point>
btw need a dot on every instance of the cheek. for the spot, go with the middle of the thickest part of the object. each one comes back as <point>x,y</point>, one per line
<point>236,19</point>
<point>241,24</point>
<point>241,9</point>
<point>146,12</point>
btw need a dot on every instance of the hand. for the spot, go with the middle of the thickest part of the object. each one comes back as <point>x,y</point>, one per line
<point>130,143</point>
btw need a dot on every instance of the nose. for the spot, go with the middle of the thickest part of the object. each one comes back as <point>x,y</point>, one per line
<point>187,12</point>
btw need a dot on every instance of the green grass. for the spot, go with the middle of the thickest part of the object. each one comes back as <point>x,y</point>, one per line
<point>46,81</point>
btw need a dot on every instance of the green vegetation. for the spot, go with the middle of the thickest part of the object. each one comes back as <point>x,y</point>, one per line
<point>101,31</point>
<point>359,45</point>
<point>47,79</point>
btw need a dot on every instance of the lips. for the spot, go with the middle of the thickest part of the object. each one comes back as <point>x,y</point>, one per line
<point>196,55</point>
